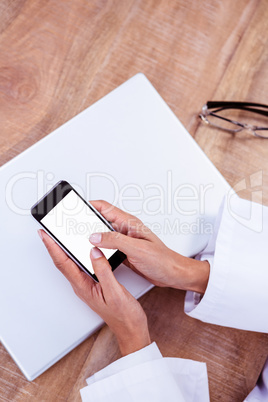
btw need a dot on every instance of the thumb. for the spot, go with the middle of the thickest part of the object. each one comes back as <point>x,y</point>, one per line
<point>103,271</point>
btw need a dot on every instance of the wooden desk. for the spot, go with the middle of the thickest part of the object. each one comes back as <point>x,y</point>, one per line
<point>57,58</point>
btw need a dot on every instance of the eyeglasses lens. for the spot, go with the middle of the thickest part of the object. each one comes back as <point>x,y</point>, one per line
<point>239,116</point>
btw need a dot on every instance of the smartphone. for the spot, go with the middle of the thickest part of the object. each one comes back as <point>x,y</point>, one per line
<point>70,220</point>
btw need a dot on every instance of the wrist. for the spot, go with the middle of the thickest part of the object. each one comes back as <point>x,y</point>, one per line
<point>190,274</point>
<point>131,346</point>
<point>132,342</point>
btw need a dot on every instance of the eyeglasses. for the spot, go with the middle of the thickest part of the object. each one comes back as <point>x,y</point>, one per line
<point>223,115</point>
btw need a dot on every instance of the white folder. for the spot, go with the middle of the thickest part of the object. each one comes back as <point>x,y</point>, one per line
<point>129,149</point>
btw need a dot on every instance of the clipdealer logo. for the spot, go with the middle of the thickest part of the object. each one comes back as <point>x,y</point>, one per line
<point>181,206</point>
<point>252,215</point>
<point>150,198</point>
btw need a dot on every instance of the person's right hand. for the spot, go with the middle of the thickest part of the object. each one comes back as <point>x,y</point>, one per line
<point>147,254</point>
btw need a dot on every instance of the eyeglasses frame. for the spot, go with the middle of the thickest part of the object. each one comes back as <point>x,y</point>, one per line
<point>223,105</point>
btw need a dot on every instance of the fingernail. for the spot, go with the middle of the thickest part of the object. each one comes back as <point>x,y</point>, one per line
<point>95,238</point>
<point>40,232</point>
<point>96,253</point>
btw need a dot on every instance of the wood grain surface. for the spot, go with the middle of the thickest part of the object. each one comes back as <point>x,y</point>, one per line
<point>58,57</point>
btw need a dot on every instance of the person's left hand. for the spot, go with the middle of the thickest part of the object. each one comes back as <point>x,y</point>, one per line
<point>108,298</point>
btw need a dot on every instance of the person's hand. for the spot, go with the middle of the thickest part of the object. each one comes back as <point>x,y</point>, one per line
<point>108,298</point>
<point>147,254</point>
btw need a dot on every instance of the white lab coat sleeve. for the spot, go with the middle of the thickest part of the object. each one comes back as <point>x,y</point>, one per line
<point>260,392</point>
<point>237,291</point>
<point>147,376</point>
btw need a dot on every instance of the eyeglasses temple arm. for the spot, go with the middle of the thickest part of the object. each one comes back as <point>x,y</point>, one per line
<point>238,105</point>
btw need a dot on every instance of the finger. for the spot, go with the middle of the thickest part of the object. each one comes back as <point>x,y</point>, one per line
<point>120,220</point>
<point>103,271</point>
<point>124,222</point>
<point>65,265</point>
<point>116,240</point>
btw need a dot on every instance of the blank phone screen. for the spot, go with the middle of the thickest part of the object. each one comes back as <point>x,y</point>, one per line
<point>71,221</point>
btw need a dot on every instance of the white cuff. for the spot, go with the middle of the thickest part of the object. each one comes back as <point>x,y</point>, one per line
<point>148,353</point>
<point>145,376</point>
<point>236,295</point>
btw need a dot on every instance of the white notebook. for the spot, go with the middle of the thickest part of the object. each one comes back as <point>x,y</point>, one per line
<point>129,149</point>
